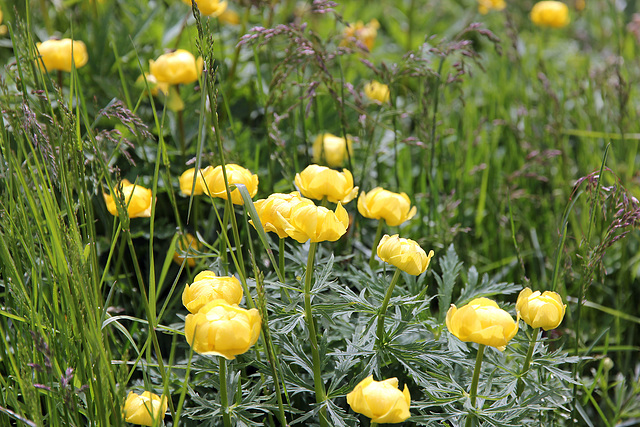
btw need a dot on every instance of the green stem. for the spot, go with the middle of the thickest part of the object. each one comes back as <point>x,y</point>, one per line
<point>474,383</point>
<point>383,307</point>
<point>527,361</point>
<point>281,257</point>
<point>224,399</point>
<point>183,146</point>
<point>374,248</point>
<point>313,338</point>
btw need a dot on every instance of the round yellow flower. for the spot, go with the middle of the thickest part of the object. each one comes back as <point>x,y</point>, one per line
<point>483,322</point>
<point>381,401</point>
<point>405,254</point>
<point>207,287</point>
<point>484,6</point>
<point>230,17</point>
<point>316,223</point>
<point>379,203</point>
<point>136,197</point>
<point>553,14</point>
<point>186,181</point>
<point>145,408</point>
<point>155,86</point>
<point>57,54</point>
<point>275,211</point>
<point>377,91</point>
<point>318,182</point>
<point>235,175</point>
<point>222,329</point>
<point>359,32</point>
<point>176,67</point>
<point>209,7</point>
<point>189,244</point>
<point>331,148</point>
<point>538,310</point>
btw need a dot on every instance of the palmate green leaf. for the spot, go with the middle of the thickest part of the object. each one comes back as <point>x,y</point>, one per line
<point>486,288</point>
<point>451,266</point>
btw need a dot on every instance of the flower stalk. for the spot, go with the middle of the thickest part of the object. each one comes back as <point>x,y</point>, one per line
<point>474,383</point>
<point>224,399</point>
<point>372,258</point>
<point>527,361</point>
<point>383,307</point>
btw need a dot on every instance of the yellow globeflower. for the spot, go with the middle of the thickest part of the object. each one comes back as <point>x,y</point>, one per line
<point>186,181</point>
<point>332,148</point>
<point>394,208</point>
<point>209,7</point>
<point>538,310</point>
<point>235,175</point>
<point>359,32</point>
<point>381,401</point>
<point>405,254</point>
<point>189,244</point>
<point>57,54</point>
<point>155,86</point>
<point>145,408</point>
<point>207,287</point>
<point>484,6</point>
<point>222,329</point>
<point>377,91</point>
<point>483,322</point>
<point>3,28</point>
<point>316,223</point>
<point>553,14</point>
<point>136,198</point>
<point>275,211</point>
<point>318,182</point>
<point>176,67</point>
<point>229,17</point>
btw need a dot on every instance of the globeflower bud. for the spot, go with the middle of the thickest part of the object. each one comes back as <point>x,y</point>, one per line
<point>331,148</point>
<point>57,54</point>
<point>381,401</point>
<point>379,203</point>
<point>209,7</point>
<point>145,408</point>
<point>222,329</point>
<point>189,244</point>
<point>136,198</point>
<point>538,310</point>
<point>318,182</point>
<point>405,254</point>
<point>553,14</point>
<point>377,91</point>
<point>235,175</point>
<point>275,211</point>
<point>176,67</point>
<point>186,181</point>
<point>207,287</point>
<point>361,33</point>
<point>483,322</point>
<point>316,223</point>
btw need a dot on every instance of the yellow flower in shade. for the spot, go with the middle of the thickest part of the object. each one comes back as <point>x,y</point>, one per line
<point>57,54</point>
<point>484,6</point>
<point>275,211</point>
<point>359,32</point>
<point>229,17</point>
<point>377,91</point>
<point>331,148</point>
<point>222,329</point>
<point>3,28</point>
<point>553,14</point>
<point>235,175</point>
<point>316,223</point>
<point>580,5</point>
<point>186,181</point>
<point>186,247</point>
<point>318,182</point>
<point>155,86</point>
<point>381,401</point>
<point>538,310</point>
<point>176,67</point>
<point>379,203</point>
<point>136,198</point>
<point>405,254</point>
<point>483,322</point>
<point>145,408</point>
<point>209,7</point>
<point>207,287</point>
